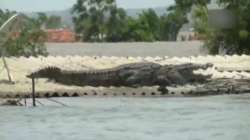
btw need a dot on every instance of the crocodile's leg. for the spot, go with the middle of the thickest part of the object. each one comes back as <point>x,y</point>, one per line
<point>163,90</point>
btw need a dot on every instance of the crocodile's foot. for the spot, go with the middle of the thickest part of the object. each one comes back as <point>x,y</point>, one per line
<point>163,90</point>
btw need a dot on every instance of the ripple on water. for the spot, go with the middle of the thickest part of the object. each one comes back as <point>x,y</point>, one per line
<point>220,117</point>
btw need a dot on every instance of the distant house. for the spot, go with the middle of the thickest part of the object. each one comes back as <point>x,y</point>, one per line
<point>60,35</point>
<point>218,18</point>
<point>186,33</point>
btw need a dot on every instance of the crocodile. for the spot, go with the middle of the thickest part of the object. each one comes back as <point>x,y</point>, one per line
<point>128,75</point>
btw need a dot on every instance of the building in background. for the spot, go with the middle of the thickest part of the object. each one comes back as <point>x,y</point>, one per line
<point>186,33</point>
<point>218,18</point>
<point>60,35</point>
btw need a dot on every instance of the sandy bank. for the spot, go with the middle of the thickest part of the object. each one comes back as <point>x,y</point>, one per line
<point>20,67</point>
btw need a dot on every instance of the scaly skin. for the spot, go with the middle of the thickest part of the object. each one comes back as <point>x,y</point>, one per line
<point>129,75</point>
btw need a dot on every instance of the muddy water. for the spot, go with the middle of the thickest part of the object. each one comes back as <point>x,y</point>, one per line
<point>206,118</point>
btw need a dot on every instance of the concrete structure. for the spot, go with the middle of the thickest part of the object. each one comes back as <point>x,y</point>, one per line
<point>133,49</point>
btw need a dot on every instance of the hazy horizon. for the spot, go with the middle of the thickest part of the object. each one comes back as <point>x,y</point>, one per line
<point>52,5</point>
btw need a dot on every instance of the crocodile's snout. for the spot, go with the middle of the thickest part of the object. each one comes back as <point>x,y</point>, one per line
<point>29,76</point>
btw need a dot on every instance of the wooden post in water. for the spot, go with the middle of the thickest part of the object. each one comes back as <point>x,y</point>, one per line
<point>25,102</point>
<point>33,92</point>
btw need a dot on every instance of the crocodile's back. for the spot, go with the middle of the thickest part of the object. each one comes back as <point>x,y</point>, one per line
<point>124,75</point>
<point>138,74</point>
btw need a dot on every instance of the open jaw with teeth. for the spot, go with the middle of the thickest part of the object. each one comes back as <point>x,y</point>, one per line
<point>138,75</point>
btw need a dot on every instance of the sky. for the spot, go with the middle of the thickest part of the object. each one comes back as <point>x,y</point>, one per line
<point>54,5</point>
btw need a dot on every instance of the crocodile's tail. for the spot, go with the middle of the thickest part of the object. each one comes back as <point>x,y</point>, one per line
<point>48,72</point>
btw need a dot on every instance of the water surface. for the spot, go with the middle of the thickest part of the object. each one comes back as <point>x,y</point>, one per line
<point>205,118</point>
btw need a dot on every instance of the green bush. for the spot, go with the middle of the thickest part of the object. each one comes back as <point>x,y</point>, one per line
<point>28,41</point>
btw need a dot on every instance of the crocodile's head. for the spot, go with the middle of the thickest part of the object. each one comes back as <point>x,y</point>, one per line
<point>193,67</point>
<point>48,72</point>
<point>202,66</point>
<point>181,74</point>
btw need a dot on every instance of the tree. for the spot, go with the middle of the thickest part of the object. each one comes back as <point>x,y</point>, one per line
<point>53,22</point>
<point>4,15</point>
<point>116,25</point>
<point>238,37</point>
<point>29,41</point>
<point>177,16</point>
<point>143,28</point>
<point>200,19</point>
<point>233,40</point>
<point>171,24</point>
<point>89,18</point>
<point>149,23</point>
<point>48,22</point>
<point>42,19</point>
<point>101,20</point>
<point>186,5</point>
